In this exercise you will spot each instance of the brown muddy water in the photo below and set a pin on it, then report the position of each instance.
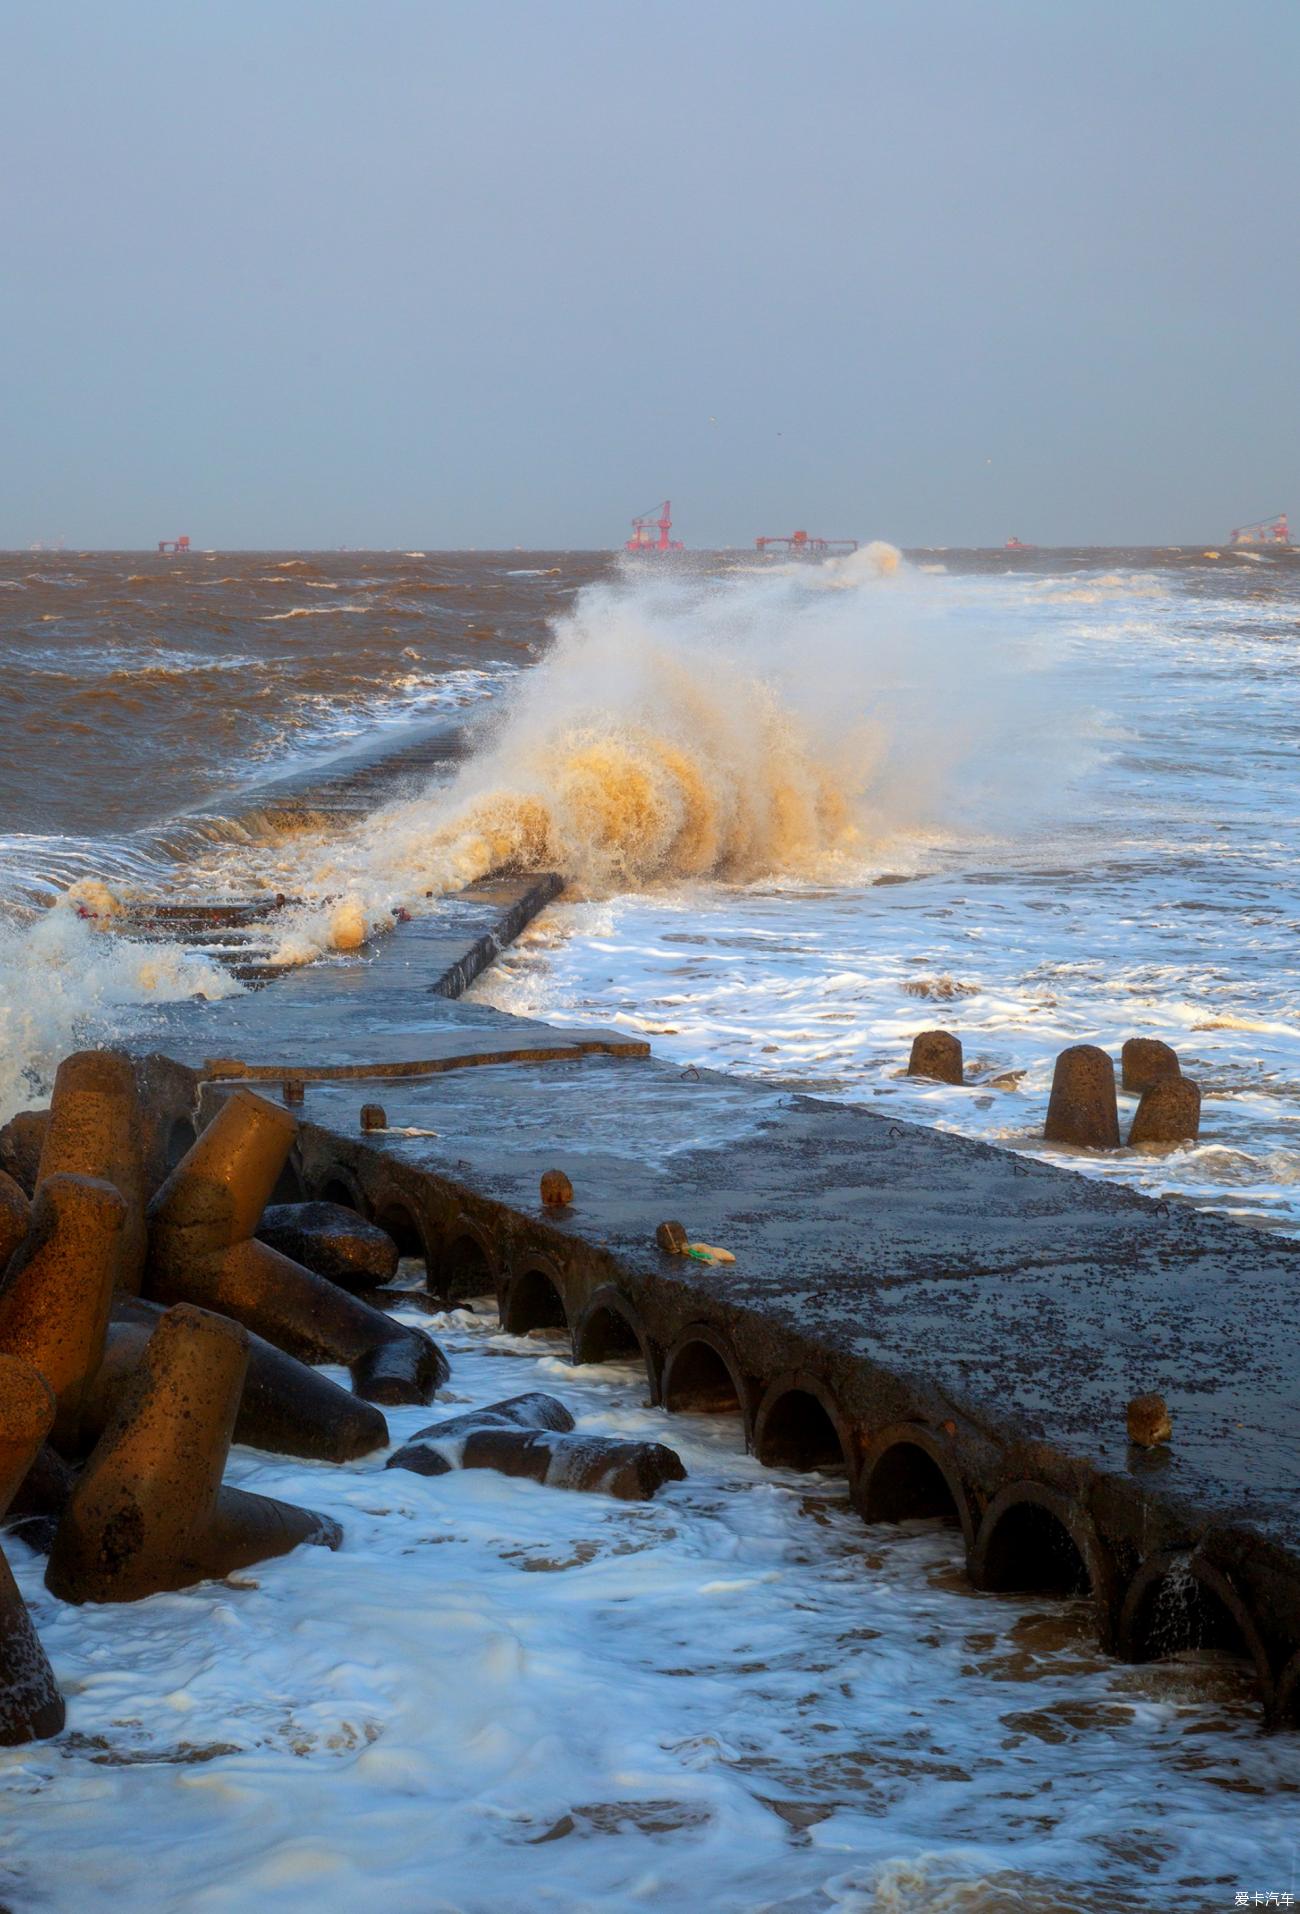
(137, 687)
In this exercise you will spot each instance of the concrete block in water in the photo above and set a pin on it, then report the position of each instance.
(201, 1251)
(31, 1707)
(286, 1407)
(95, 1128)
(15, 1217)
(332, 1240)
(59, 1289)
(1170, 1112)
(374, 1116)
(21, 1141)
(532, 1435)
(1148, 1421)
(1144, 1061)
(149, 1511)
(1083, 1109)
(936, 1054)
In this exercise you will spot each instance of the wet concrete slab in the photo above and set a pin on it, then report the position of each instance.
(1031, 1301)
(386, 1010)
(906, 1278)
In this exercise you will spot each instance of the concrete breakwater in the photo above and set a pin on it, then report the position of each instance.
(948, 1327)
(953, 1328)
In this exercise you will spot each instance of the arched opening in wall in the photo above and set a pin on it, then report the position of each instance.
(698, 1380)
(397, 1221)
(1179, 1607)
(906, 1484)
(607, 1335)
(180, 1140)
(796, 1431)
(1029, 1548)
(335, 1190)
(464, 1272)
(534, 1302)
(288, 1185)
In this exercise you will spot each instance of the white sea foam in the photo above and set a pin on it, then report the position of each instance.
(1157, 900)
(736, 1698)
(783, 721)
(65, 980)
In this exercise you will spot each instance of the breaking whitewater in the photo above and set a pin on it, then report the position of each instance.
(805, 812)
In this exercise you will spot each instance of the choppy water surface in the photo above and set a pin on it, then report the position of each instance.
(806, 812)
(736, 1698)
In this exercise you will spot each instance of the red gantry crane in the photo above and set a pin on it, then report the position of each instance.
(644, 528)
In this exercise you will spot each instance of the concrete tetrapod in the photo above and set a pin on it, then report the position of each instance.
(531, 1435)
(201, 1250)
(333, 1241)
(286, 1407)
(601, 1465)
(1170, 1112)
(59, 1289)
(15, 1217)
(1146, 1060)
(936, 1054)
(40, 1499)
(94, 1129)
(1083, 1109)
(21, 1142)
(149, 1511)
(31, 1707)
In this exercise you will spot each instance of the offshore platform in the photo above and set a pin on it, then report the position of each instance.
(659, 521)
(801, 545)
(1265, 531)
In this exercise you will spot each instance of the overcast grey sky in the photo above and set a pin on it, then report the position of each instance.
(384, 272)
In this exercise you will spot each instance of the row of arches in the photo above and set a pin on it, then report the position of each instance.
(1030, 1538)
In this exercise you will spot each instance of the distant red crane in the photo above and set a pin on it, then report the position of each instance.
(799, 545)
(181, 544)
(644, 528)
